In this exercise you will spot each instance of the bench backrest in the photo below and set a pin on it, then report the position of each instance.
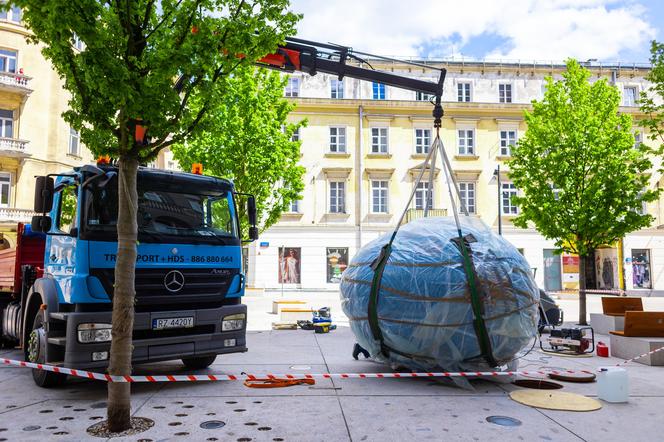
(650, 324)
(615, 306)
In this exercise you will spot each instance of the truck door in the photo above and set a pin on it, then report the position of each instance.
(61, 243)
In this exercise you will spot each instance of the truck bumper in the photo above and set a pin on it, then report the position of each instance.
(205, 338)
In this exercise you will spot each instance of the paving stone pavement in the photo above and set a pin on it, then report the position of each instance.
(331, 410)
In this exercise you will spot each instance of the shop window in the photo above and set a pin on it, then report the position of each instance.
(641, 269)
(337, 261)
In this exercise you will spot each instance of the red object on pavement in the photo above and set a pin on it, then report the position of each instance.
(602, 350)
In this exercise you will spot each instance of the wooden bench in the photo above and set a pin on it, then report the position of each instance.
(642, 324)
(296, 314)
(617, 306)
(643, 333)
(276, 304)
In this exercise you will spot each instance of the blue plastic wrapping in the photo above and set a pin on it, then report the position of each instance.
(424, 306)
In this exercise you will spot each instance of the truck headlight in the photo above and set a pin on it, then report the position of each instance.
(92, 332)
(233, 322)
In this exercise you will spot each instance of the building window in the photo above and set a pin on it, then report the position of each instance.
(467, 194)
(296, 135)
(78, 44)
(337, 261)
(641, 268)
(509, 191)
(421, 96)
(74, 141)
(378, 140)
(378, 90)
(8, 61)
(507, 140)
(171, 165)
(422, 140)
(629, 96)
(463, 92)
(638, 138)
(292, 87)
(337, 197)
(337, 139)
(294, 206)
(336, 88)
(379, 196)
(5, 188)
(13, 14)
(466, 141)
(6, 123)
(420, 195)
(505, 93)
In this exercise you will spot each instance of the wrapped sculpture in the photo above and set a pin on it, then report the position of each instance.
(423, 317)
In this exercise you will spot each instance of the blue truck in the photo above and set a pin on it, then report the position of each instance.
(58, 281)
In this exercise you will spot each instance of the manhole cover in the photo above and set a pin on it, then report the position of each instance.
(538, 384)
(31, 428)
(211, 425)
(504, 421)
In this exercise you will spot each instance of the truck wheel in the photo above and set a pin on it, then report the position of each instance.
(199, 363)
(36, 352)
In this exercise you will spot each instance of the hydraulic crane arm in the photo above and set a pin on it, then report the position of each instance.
(312, 57)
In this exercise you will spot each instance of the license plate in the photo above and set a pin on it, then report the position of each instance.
(162, 323)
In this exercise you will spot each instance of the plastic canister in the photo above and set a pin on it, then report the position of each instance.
(602, 350)
(612, 384)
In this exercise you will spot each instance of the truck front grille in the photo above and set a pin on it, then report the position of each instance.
(201, 286)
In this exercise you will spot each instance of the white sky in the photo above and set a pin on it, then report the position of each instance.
(507, 29)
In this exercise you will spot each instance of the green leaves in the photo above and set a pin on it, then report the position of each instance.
(583, 180)
(248, 140)
(134, 53)
(652, 101)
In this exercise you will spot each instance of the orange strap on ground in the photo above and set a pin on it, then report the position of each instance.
(277, 383)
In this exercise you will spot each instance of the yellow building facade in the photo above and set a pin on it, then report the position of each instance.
(35, 140)
(364, 144)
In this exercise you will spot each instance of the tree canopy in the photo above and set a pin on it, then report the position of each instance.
(250, 141)
(652, 100)
(583, 179)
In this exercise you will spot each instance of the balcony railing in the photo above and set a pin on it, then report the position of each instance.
(414, 214)
(13, 147)
(9, 214)
(16, 82)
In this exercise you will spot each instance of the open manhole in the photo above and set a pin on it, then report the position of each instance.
(31, 428)
(504, 421)
(211, 425)
(537, 384)
(96, 405)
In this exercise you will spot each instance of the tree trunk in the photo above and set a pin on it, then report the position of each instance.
(119, 400)
(582, 290)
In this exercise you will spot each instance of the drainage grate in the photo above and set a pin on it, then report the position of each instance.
(211, 425)
(504, 421)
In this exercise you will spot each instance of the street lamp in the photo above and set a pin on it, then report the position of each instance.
(496, 173)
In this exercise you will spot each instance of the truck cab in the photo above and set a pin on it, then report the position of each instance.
(189, 281)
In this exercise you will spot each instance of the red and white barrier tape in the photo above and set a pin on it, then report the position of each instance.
(640, 356)
(243, 377)
(251, 377)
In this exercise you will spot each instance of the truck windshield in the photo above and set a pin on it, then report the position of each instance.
(163, 215)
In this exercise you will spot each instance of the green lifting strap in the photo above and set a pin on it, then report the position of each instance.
(476, 303)
(378, 267)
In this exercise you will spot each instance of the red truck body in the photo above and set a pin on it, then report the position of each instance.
(29, 250)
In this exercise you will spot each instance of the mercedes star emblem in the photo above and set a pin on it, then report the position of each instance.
(174, 281)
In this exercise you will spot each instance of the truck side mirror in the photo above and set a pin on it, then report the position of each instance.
(253, 233)
(43, 194)
(40, 223)
(251, 210)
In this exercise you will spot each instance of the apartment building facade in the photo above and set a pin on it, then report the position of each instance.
(34, 138)
(365, 143)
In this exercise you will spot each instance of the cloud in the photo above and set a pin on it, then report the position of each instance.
(522, 29)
